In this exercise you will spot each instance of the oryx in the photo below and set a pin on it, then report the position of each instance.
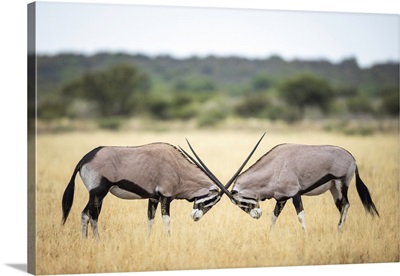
(159, 172)
(289, 171)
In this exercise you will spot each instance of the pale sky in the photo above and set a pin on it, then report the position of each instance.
(187, 31)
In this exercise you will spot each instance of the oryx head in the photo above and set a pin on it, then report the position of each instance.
(204, 204)
(248, 203)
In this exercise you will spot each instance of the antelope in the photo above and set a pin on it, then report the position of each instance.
(159, 172)
(289, 171)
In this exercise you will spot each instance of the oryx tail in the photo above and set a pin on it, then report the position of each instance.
(68, 196)
(365, 196)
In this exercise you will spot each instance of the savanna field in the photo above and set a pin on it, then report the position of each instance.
(225, 237)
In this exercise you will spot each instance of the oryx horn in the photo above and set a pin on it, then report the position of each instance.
(224, 189)
(207, 172)
(244, 164)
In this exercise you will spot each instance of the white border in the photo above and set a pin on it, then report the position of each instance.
(13, 205)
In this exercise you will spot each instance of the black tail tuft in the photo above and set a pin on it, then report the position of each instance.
(68, 197)
(365, 196)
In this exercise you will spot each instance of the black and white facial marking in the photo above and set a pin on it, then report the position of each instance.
(204, 203)
(249, 205)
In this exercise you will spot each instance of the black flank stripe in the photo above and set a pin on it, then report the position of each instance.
(134, 188)
(320, 182)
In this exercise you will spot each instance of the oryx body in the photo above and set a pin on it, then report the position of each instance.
(289, 171)
(158, 172)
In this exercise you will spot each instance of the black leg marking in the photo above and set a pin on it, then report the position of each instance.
(278, 209)
(165, 203)
(344, 206)
(93, 208)
(338, 204)
(344, 193)
(298, 204)
(151, 213)
(152, 208)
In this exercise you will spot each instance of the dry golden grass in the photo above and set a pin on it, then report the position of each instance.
(226, 237)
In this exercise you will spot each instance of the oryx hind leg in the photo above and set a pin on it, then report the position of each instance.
(165, 203)
(298, 204)
(278, 209)
(339, 194)
(151, 213)
(92, 211)
(84, 224)
(91, 214)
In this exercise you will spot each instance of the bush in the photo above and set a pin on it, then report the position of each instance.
(253, 106)
(111, 123)
(390, 101)
(157, 106)
(183, 106)
(261, 82)
(115, 91)
(307, 90)
(360, 105)
(286, 113)
(212, 113)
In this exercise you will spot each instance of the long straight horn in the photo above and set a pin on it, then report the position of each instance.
(244, 164)
(224, 189)
(207, 172)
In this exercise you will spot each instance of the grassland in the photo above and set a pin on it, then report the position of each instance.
(226, 237)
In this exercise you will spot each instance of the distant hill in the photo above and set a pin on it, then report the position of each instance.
(226, 73)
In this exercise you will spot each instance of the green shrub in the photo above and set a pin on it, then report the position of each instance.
(360, 104)
(252, 106)
(212, 113)
(183, 106)
(110, 123)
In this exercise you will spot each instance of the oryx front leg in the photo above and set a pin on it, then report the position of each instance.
(151, 213)
(298, 204)
(278, 209)
(165, 203)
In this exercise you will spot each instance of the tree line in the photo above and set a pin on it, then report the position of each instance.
(123, 89)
